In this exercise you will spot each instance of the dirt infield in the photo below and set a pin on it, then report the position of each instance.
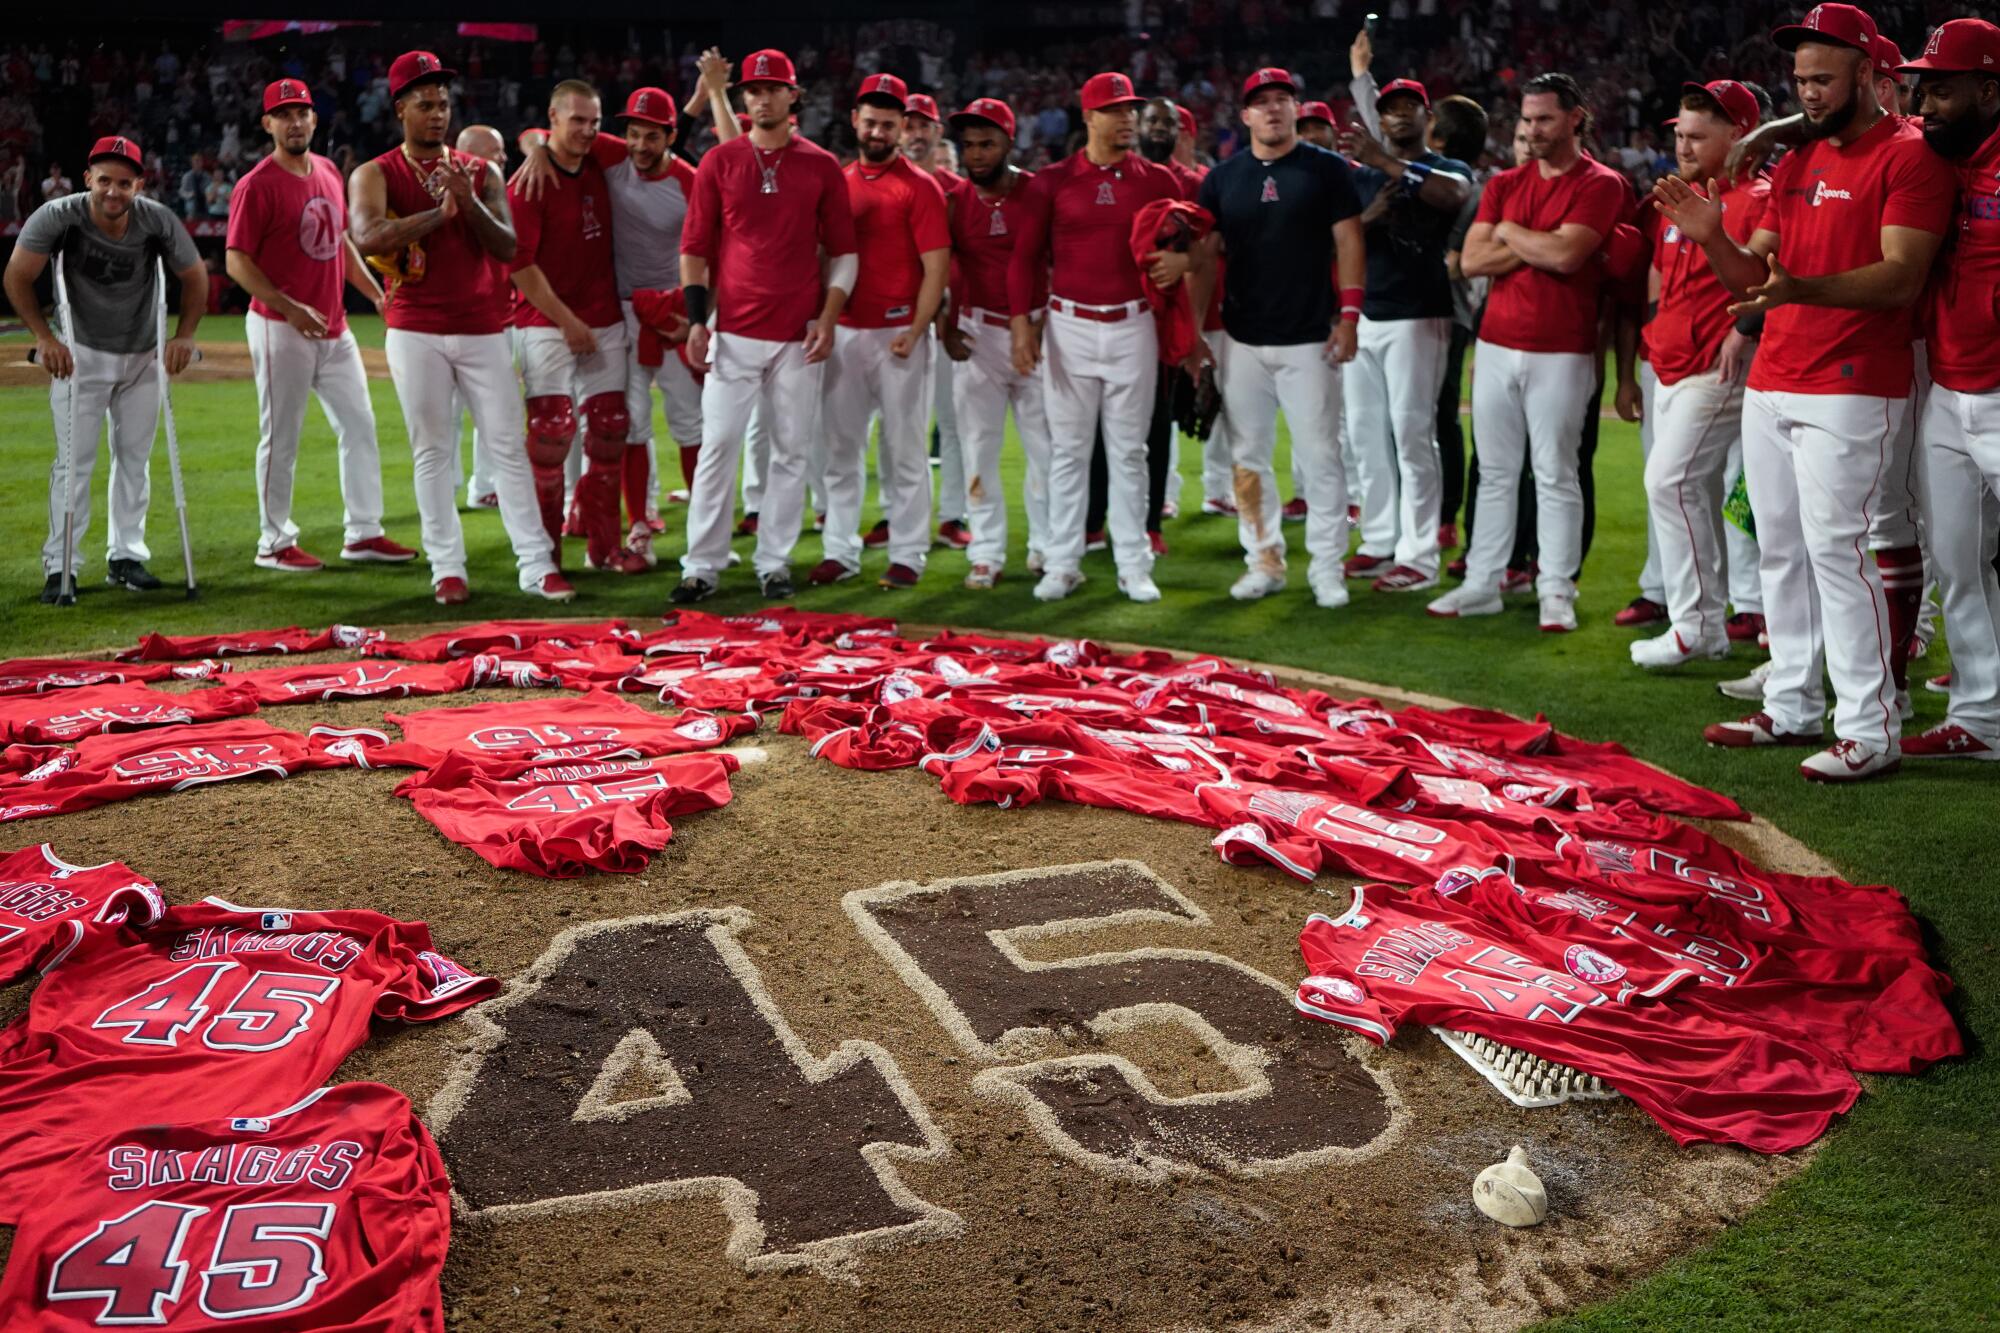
(219, 361)
(850, 1056)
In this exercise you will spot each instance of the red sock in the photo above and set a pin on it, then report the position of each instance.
(638, 480)
(1902, 570)
(690, 457)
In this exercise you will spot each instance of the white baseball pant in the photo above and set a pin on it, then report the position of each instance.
(741, 370)
(1529, 405)
(1258, 380)
(983, 388)
(1391, 389)
(120, 389)
(951, 443)
(1095, 372)
(1961, 435)
(1695, 422)
(1652, 584)
(757, 460)
(864, 375)
(288, 368)
(1899, 516)
(432, 372)
(1816, 464)
(480, 480)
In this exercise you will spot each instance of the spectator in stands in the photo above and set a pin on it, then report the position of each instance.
(55, 185)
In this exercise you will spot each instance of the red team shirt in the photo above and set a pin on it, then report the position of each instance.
(38, 675)
(1962, 317)
(899, 216)
(464, 289)
(1685, 336)
(497, 636)
(1829, 203)
(334, 1213)
(764, 248)
(291, 639)
(329, 681)
(295, 229)
(982, 245)
(594, 726)
(1531, 309)
(566, 232)
(46, 905)
(69, 715)
(1075, 239)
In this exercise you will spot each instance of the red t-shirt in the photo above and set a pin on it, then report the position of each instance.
(331, 1213)
(57, 719)
(463, 290)
(497, 636)
(1076, 231)
(1829, 203)
(566, 232)
(295, 229)
(291, 639)
(898, 217)
(1531, 309)
(983, 232)
(38, 675)
(597, 725)
(764, 246)
(327, 681)
(1685, 335)
(1962, 317)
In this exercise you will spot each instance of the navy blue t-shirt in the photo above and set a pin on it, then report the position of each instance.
(1406, 245)
(1276, 221)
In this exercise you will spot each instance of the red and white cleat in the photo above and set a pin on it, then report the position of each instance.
(1850, 761)
(1948, 740)
(555, 588)
(291, 560)
(451, 592)
(1755, 730)
(378, 549)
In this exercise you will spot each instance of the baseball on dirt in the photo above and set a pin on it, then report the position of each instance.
(1511, 1194)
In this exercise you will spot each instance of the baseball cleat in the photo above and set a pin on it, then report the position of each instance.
(1447, 536)
(451, 592)
(639, 541)
(899, 576)
(1673, 649)
(1254, 584)
(1158, 542)
(747, 525)
(1744, 626)
(490, 500)
(1360, 565)
(379, 550)
(1640, 611)
(1939, 684)
(1170, 509)
(1948, 740)
(953, 532)
(1558, 612)
(292, 560)
(878, 536)
(1294, 510)
(1055, 586)
(130, 575)
(52, 592)
(1517, 581)
(1139, 588)
(775, 586)
(981, 577)
(1748, 688)
(1095, 541)
(691, 590)
(1456, 569)
(554, 588)
(828, 572)
(1756, 729)
(1466, 600)
(1851, 761)
(1037, 562)
(1329, 590)
(1405, 578)
(1218, 508)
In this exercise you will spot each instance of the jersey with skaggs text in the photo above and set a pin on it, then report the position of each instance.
(46, 905)
(332, 1214)
(291, 639)
(69, 715)
(38, 675)
(597, 725)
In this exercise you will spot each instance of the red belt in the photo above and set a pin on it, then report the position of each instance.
(1101, 314)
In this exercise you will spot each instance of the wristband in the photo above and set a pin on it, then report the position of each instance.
(697, 303)
(1414, 176)
(1350, 303)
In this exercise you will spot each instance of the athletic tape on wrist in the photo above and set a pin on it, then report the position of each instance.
(1350, 303)
(696, 296)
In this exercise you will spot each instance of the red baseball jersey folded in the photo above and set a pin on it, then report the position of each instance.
(46, 905)
(598, 725)
(36, 675)
(56, 719)
(291, 639)
(497, 636)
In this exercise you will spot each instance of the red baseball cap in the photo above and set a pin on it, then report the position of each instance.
(1737, 102)
(1395, 86)
(655, 106)
(1843, 25)
(1959, 46)
(118, 146)
(411, 68)
(1886, 55)
(923, 104)
(1270, 78)
(768, 66)
(884, 88)
(1108, 90)
(1186, 118)
(990, 110)
(1315, 111)
(286, 92)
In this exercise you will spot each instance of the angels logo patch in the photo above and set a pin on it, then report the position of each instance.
(1336, 988)
(703, 729)
(1587, 964)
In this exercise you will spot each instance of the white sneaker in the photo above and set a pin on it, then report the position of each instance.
(1255, 583)
(1139, 588)
(981, 577)
(1851, 761)
(1056, 586)
(1467, 600)
(1330, 592)
(1672, 650)
(1749, 688)
(1558, 612)
(1037, 562)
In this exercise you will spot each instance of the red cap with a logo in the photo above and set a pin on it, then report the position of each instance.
(286, 92)
(990, 110)
(1186, 117)
(118, 146)
(1315, 111)
(767, 67)
(655, 106)
(883, 88)
(1737, 102)
(1959, 46)
(1886, 55)
(1270, 78)
(411, 68)
(923, 104)
(1409, 87)
(1103, 91)
(1843, 25)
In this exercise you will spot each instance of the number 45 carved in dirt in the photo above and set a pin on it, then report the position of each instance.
(645, 1058)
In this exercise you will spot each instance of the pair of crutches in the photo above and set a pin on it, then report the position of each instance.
(66, 431)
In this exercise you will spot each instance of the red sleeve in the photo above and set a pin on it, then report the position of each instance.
(704, 211)
(930, 227)
(1493, 199)
(1601, 205)
(527, 229)
(429, 985)
(836, 213)
(609, 150)
(1922, 192)
(1027, 271)
(246, 217)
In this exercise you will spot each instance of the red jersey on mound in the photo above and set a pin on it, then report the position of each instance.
(597, 725)
(334, 1213)
(46, 904)
(291, 639)
(497, 636)
(55, 719)
(358, 680)
(37, 675)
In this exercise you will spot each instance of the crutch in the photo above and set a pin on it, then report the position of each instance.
(66, 441)
(167, 407)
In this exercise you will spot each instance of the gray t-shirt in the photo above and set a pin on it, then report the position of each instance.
(110, 281)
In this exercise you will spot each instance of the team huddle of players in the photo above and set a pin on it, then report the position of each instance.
(785, 304)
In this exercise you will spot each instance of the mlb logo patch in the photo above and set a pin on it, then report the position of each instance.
(276, 920)
(250, 1124)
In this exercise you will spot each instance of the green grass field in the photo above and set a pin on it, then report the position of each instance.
(1894, 1223)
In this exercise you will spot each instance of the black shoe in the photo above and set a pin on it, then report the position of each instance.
(52, 592)
(130, 574)
(691, 590)
(776, 587)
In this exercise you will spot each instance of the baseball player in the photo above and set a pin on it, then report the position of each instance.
(1217, 484)
(107, 237)
(1844, 249)
(482, 141)
(1286, 220)
(289, 248)
(1958, 92)
(1098, 349)
(1696, 412)
(765, 205)
(924, 144)
(1413, 195)
(882, 349)
(1316, 125)
(443, 217)
(1538, 233)
(985, 212)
